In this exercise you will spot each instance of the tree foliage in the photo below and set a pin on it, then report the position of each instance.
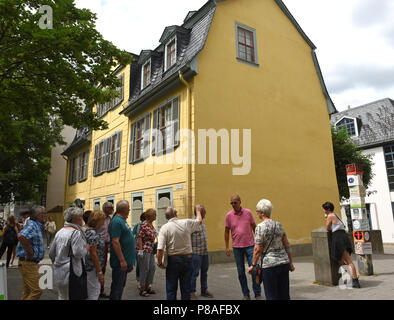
(346, 152)
(48, 78)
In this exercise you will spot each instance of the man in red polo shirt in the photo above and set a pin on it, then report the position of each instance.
(242, 225)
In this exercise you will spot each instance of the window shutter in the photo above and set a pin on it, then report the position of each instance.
(95, 160)
(155, 127)
(80, 167)
(107, 148)
(70, 170)
(122, 86)
(175, 121)
(132, 138)
(85, 176)
(118, 144)
(146, 137)
(169, 132)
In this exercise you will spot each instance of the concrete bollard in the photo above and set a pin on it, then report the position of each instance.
(326, 269)
(3, 281)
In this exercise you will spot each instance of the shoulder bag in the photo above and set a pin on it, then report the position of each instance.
(77, 286)
(259, 268)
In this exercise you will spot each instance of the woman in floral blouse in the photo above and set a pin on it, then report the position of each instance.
(271, 239)
(146, 258)
(96, 255)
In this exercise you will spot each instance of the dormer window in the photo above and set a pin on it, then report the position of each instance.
(350, 125)
(146, 74)
(170, 57)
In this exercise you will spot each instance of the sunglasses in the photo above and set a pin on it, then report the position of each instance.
(233, 203)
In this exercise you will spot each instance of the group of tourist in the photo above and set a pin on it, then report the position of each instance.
(79, 251)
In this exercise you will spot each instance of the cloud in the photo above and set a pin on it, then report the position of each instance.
(350, 76)
(369, 13)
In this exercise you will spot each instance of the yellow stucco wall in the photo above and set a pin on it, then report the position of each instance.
(141, 177)
(282, 102)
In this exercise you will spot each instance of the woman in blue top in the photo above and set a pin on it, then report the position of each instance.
(341, 248)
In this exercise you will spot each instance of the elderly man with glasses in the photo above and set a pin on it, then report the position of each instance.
(241, 223)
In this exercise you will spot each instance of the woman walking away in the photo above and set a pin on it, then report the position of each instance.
(271, 242)
(70, 238)
(10, 239)
(341, 248)
(146, 258)
(50, 228)
(96, 255)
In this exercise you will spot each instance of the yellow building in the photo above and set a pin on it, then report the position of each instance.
(239, 70)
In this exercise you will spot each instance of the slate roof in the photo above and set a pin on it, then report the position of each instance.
(191, 38)
(375, 121)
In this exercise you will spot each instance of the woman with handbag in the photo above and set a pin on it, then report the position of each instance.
(272, 245)
(341, 248)
(145, 257)
(10, 239)
(67, 253)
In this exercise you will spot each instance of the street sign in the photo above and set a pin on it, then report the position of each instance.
(357, 202)
(354, 180)
(363, 248)
(357, 191)
(361, 236)
(360, 225)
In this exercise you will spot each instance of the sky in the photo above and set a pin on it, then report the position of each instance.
(354, 38)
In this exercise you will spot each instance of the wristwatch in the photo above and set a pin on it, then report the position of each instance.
(100, 272)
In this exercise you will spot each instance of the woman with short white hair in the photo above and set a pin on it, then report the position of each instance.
(71, 236)
(272, 244)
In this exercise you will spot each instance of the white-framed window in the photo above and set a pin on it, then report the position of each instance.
(350, 125)
(170, 54)
(165, 127)
(137, 207)
(102, 109)
(146, 74)
(97, 204)
(107, 154)
(246, 43)
(83, 165)
(140, 139)
(163, 200)
(72, 173)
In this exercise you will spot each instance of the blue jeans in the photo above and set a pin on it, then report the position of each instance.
(118, 283)
(276, 282)
(179, 268)
(239, 255)
(200, 263)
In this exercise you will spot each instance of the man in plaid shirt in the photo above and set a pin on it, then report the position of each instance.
(31, 251)
(200, 260)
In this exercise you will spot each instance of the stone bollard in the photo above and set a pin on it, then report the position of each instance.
(326, 269)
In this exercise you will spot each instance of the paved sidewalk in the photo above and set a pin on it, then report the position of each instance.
(223, 283)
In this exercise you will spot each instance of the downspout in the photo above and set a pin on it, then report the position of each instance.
(65, 183)
(189, 211)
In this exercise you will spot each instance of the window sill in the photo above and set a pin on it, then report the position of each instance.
(253, 64)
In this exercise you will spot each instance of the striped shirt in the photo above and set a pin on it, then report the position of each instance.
(32, 232)
(200, 241)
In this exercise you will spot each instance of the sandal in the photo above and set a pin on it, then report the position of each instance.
(144, 293)
(150, 291)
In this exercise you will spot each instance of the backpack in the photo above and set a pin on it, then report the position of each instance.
(10, 236)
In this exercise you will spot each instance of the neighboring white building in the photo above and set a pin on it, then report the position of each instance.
(372, 128)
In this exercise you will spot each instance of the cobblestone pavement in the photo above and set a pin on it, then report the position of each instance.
(223, 283)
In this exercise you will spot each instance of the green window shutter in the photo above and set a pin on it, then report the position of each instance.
(122, 87)
(118, 145)
(80, 167)
(70, 170)
(175, 121)
(95, 160)
(132, 142)
(85, 176)
(155, 129)
(146, 137)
